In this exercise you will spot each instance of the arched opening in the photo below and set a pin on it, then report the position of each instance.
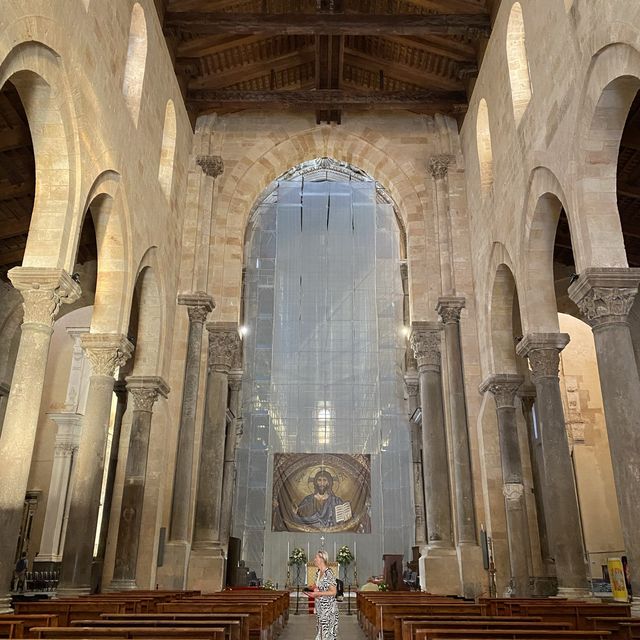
(168, 150)
(517, 62)
(136, 62)
(324, 352)
(485, 153)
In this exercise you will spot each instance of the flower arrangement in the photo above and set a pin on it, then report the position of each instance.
(298, 557)
(268, 584)
(344, 556)
(383, 586)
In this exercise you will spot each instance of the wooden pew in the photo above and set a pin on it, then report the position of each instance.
(399, 632)
(72, 609)
(409, 627)
(23, 623)
(513, 634)
(233, 626)
(60, 633)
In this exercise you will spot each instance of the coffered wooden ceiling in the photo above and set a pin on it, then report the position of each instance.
(326, 56)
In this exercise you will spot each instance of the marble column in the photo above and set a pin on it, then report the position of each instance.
(199, 305)
(503, 387)
(144, 391)
(234, 431)
(449, 309)
(412, 383)
(560, 498)
(106, 352)
(43, 290)
(64, 453)
(207, 562)
(120, 389)
(438, 566)
(605, 297)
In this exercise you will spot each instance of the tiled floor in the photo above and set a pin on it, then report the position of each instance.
(303, 627)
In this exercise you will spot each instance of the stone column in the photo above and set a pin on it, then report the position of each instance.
(439, 169)
(439, 571)
(43, 290)
(144, 390)
(412, 383)
(605, 297)
(234, 431)
(503, 387)
(449, 309)
(560, 498)
(106, 352)
(65, 450)
(207, 562)
(199, 305)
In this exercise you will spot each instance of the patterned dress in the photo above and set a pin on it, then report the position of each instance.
(326, 608)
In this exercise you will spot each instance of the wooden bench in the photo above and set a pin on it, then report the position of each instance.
(22, 623)
(72, 609)
(233, 626)
(195, 633)
(511, 634)
(409, 627)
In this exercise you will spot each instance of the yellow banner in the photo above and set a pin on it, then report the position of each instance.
(618, 583)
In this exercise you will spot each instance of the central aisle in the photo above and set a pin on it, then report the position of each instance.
(303, 627)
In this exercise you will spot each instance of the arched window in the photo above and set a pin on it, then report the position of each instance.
(517, 61)
(168, 150)
(485, 154)
(136, 59)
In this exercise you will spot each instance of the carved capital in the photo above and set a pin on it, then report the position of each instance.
(43, 291)
(503, 386)
(543, 351)
(145, 391)
(412, 382)
(199, 305)
(106, 352)
(605, 296)
(212, 166)
(425, 341)
(513, 492)
(449, 308)
(224, 343)
(235, 380)
(439, 165)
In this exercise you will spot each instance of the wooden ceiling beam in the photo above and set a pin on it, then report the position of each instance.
(439, 46)
(628, 190)
(429, 101)
(204, 22)
(14, 228)
(11, 257)
(9, 191)
(452, 6)
(14, 138)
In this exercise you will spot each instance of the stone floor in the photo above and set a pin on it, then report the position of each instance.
(303, 627)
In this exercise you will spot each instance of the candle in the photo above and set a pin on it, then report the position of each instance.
(355, 549)
(308, 551)
(335, 555)
(288, 551)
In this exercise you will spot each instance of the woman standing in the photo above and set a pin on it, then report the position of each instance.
(325, 594)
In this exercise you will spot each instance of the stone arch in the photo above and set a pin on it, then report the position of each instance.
(244, 183)
(612, 81)
(485, 152)
(136, 62)
(106, 206)
(149, 317)
(167, 150)
(35, 70)
(543, 205)
(517, 62)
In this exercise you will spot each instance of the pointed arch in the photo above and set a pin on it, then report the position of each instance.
(136, 62)
(519, 77)
(485, 152)
(168, 150)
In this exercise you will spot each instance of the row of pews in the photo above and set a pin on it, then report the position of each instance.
(152, 615)
(420, 616)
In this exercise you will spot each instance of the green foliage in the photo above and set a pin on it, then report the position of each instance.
(298, 557)
(345, 556)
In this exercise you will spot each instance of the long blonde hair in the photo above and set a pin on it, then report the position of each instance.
(324, 555)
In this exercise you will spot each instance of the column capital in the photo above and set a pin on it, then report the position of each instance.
(425, 341)
(449, 308)
(43, 291)
(212, 166)
(224, 342)
(199, 305)
(145, 391)
(412, 382)
(235, 379)
(503, 386)
(106, 352)
(543, 352)
(439, 165)
(513, 491)
(605, 295)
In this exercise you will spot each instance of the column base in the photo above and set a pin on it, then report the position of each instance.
(472, 573)
(206, 569)
(122, 585)
(72, 592)
(5, 604)
(573, 593)
(440, 571)
(172, 575)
